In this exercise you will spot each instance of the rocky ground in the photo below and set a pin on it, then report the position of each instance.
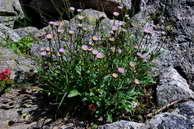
(172, 29)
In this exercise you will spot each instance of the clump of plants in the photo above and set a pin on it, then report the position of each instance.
(22, 46)
(103, 76)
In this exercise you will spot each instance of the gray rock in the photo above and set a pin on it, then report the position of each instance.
(28, 31)
(10, 10)
(173, 29)
(8, 59)
(9, 115)
(12, 110)
(124, 125)
(22, 126)
(8, 34)
(172, 87)
(43, 44)
(133, 6)
(186, 109)
(169, 121)
(91, 16)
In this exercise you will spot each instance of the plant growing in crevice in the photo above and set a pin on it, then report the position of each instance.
(105, 76)
(22, 46)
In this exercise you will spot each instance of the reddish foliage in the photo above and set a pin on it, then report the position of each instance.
(92, 107)
(4, 75)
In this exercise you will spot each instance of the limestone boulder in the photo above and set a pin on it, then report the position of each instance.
(170, 121)
(10, 10)
(124, 125)
(172, 87)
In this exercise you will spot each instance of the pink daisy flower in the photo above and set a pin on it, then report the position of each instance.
(121, 70)
(100, 55)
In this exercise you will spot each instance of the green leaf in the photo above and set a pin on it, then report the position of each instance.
(107, 77)
(109, 118)
(78, 70)
(73, 93)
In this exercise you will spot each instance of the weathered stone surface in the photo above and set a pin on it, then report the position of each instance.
(28, 31)
(186, 109)
(172, 87)
(173, 29)
(10, 10)
(90, 18)
(26, 108)
(124, 125)
(170, 121)
(8, 34)
(16, 108)
(8, 59)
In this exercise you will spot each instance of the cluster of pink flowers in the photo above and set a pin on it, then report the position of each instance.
(72, 9)
(144, 56)
(98, 54)
(45, 51)
(5, 74)
(120, 70)
(61, 50)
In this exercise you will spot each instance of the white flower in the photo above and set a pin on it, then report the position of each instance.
(136, 81)
(132, 64)
(120, 7)
(55, 23)
(121, 70)
(115, 13)
(71, 32)
(95, 38)
(85, 47)
(112, 39)
(91, 43)
(123, 30)
(126, 15)
(115, 75)
(72, 8)
(43, 53)
(61, 27)
(80, 25)
(100, 55)
(60, 30)
(47, 49)
(143, 56)
(121, 23)
(134, 104)
(113, 49)
(42, 49)
(49, 36)
(90, 49)
(148, 31)
(80, 17)
(115, 28)
(84, 28)
(119, 50)
(61, 50)
(94, 51)
(79, 10)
